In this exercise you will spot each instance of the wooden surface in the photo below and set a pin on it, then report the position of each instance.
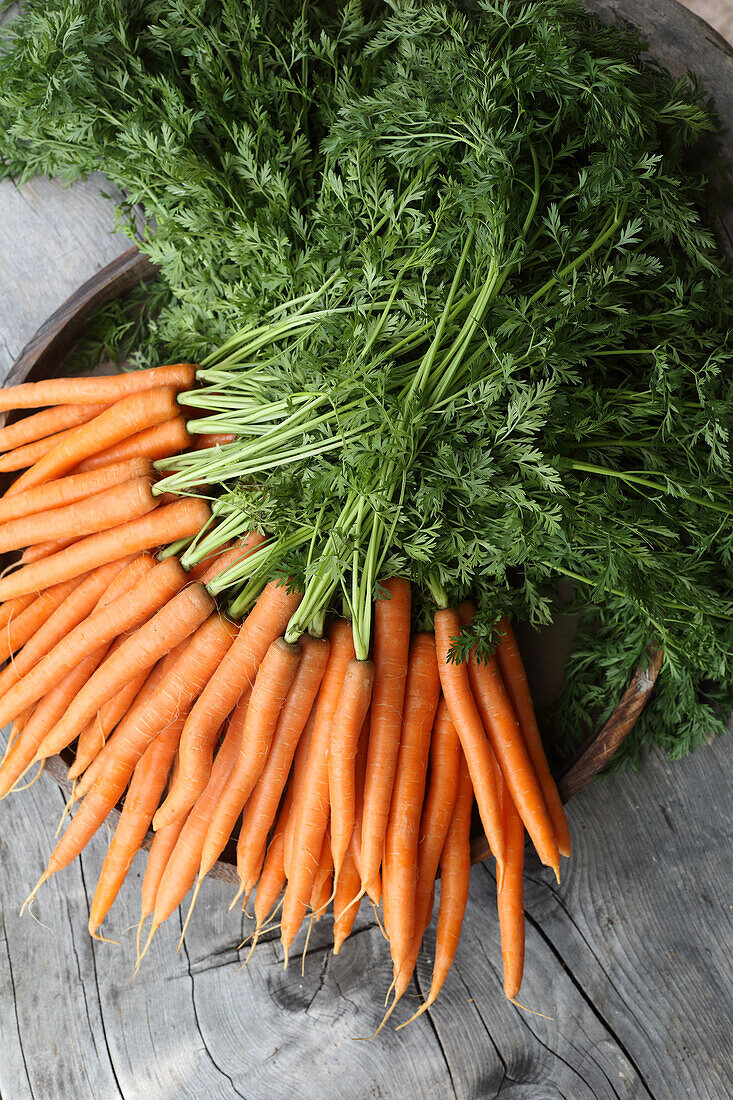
(630, 957)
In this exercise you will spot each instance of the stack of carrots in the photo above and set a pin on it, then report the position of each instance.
(339, 778)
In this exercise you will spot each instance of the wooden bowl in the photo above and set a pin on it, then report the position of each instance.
(679, 40)
(43, 357)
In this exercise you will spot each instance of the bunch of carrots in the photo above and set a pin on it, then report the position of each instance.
(338, 777)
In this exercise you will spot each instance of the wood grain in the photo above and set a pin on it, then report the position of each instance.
(630, 956)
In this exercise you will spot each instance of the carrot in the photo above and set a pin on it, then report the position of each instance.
(273, 682)
(161, 441)
(260, 811)
(300, 762)
(20, 629)
(391, 648)
(166, 694)
(474, 742)
(22, 458)
(455, 870)
(79, 603)
(345, 904)
(159, 854)
(188, 784)
(445, 761)
(69, 490)
(360, 767)
(152, 679)
(100, 628)
(272, 879)
(199, 571)
(312, 807)
(98, 390)
(50, 709)
(237, 670)
(422, 692)
(178, 619)
(125, 418)
(146, 787)
(203, 442)
(353, 704)
(321, 892)
(44, 550)
(42, 424)
(500, 723)
(515, 682)
(510, 897)
(185, 859)
(229, 558)
(97, 513)
(165, 524)
(12, 608)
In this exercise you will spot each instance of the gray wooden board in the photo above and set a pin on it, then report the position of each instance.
(629, 960)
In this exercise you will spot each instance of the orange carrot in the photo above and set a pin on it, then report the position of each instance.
(12, 608)
(97, 513)
(182, 675)
(152, 679)
(188, 785)
(98, 390)
(300, 762)
(69, 490)
(500, 723)
(146, 787)
(321, 892)
(510, 897)
(80, 603)
(345, 904)
(261, 808)
(44, 550)
(162, 441)
(50, 709)
(353, 704)
(230, 557)
(203, 442)
(272, 879)
(185, 859)
(163, 525)
(125, 418)
(104, 624)
(42, 424)
(274, 679)
(312, 807)
(474, 742)
(93, 737)
(175, 621)
(160, 851)
(422, 693)
(237, 671)
(391, 647)
(455, 870)
(445, 761)
(360, 768)
(515, 682)
(22, 458)
(22, 627)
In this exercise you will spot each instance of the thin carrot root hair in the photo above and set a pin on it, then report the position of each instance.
(190, 912)
(388, 1013)
(526, 1008)
(153, 929)
(423, 1008)
(97, 935)
(26, 786)
(305, 945)
(67, 809)
(138, 937)
(44, 877)
(236, 897)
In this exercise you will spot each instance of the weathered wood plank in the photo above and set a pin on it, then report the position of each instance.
(630, 957)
